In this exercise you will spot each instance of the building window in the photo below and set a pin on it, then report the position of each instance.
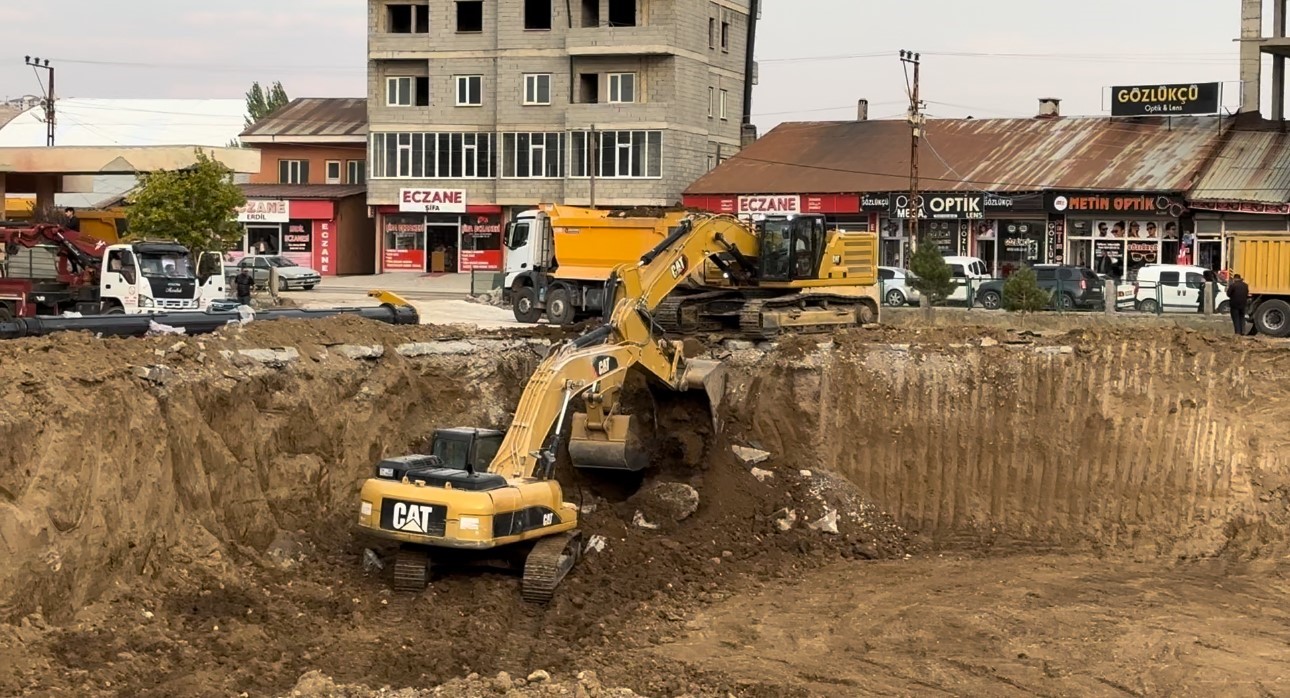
(470, 16)
(432, 156)
(712, 91)
(622, 88)
(354, 173)
(712, 161)
(407, 91)
(723, 104)
(622, 13)
(293, 172)
(537, 14)
(712, 32)
(407, 19)
(590, 13)
(537, 88)
(533, 155)
(725, 36)
(470, 90)
(333, 172)
(589, 88)
(616, 154)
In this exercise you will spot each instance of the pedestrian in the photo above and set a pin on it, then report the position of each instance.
(1238, 295)
(243, 284)
(1209, 284)
(69, 220)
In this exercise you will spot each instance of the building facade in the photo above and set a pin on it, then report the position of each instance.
(479, 109)
(308, 201)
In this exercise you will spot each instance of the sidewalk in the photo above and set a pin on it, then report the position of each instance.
(437, 285)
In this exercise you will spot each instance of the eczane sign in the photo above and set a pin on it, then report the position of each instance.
(432, 200)
(264, 211)
(769, 204)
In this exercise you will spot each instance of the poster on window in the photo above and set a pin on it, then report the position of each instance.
(481, 243)
(1135, 230)
(404, 260)
(297, 242)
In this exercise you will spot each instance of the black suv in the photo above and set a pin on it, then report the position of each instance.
(1072, 287)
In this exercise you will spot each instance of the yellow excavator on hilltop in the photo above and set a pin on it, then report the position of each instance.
(483, 491)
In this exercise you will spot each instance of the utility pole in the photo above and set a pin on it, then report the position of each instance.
(35, 62)
(916, 121)
(593, 148)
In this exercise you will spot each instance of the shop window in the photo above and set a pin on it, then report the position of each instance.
(622, 88)
(470, 90)
(354, 172)
(537, 14)
(407, 18)
(333, 172)
(622, 13)
(589, 88)
(590, 13)
(293, 172)
(537, 89)
(725, 37)
(470, 16)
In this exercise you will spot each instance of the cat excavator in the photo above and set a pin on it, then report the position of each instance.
(487, 493)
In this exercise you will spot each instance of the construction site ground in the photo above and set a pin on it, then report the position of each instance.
(1012, 506)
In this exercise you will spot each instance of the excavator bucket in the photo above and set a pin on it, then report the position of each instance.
(616, 445)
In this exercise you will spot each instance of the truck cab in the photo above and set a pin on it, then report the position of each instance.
(158, 277)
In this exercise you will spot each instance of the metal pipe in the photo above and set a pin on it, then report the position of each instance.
(190, 322)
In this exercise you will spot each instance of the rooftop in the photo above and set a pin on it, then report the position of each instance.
(312, 120)
(1003, 155)
(1251, 166)
(130, 122)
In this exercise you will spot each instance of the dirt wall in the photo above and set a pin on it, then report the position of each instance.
(1160, 442)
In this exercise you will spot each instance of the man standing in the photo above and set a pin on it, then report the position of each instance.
(1238, 296)
(243, 284)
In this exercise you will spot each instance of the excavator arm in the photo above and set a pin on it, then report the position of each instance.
(594, 366)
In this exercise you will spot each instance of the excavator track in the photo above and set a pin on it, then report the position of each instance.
(670, 313)
(411, 570)
(547, 565)
(750, 317)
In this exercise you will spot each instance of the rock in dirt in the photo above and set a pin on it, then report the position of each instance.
(785, 518)
(761, 475)
(360, 351)
(750, 456)
(674, 501)
(827, 523)
(638, 520)
(539, 676)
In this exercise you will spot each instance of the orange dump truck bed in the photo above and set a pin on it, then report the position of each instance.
(1263, 261)
(589, 243)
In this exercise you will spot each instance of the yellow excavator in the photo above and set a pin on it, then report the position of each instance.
(481, 493)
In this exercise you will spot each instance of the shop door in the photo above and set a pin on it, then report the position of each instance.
(441, 244)
(1209, 254)
(264, 239)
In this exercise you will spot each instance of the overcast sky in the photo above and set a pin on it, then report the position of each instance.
(805, 47)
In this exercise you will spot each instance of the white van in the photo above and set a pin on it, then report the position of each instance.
(967, 273)
(1173, 287)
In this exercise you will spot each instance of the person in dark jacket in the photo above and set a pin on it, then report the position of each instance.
(243, 284)
(1238, 297)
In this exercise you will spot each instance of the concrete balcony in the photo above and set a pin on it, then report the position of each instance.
(621, 41)
(391, 45)
(580, 116)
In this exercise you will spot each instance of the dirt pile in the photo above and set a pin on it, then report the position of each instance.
(538, 684)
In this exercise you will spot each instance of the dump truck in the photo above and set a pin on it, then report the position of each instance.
(1263, 260)
(560, 260)
(491, 497)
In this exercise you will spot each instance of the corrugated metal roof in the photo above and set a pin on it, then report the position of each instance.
(968, 154)
(313, 117)
(302, 191)
(131, 122)
(1251, 166)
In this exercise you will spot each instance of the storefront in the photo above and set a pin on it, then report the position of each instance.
(304, 231)
(1216, 221)
(842, 211)
(437, 231)
(1117, 233)
(1006, 232)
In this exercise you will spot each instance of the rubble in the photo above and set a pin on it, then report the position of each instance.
(675, 501)
(750, 456)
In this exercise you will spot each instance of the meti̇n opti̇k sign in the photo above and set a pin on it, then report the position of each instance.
(1166, 100)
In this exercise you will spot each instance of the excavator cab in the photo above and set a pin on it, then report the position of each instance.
(464, 448)
(790, 247)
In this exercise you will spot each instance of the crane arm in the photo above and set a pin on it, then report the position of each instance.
(594, 366)
(81, 252)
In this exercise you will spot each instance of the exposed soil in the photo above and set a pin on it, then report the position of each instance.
(177, 520)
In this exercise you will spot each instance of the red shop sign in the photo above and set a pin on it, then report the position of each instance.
(480, 260)
(405, 260)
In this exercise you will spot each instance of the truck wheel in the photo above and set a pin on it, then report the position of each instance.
(524, 305)
(114, 310)
(1148, 306)
(559, 306)
(1273, 318)
(6, 313)
(1223, 308)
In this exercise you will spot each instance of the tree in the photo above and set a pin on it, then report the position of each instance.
(260, 103)
(933, 276)
(196, 206)
(1022, 293)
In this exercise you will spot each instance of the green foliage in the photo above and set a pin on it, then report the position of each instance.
(260, 103)
(1022, 293)
(196, 207)
(933, 275)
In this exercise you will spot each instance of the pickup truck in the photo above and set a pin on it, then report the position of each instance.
(290, 275)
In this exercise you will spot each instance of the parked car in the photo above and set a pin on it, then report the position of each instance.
(967, 273)
(1072, 287)
(896, 288)
(290, 274)
(1171, 287)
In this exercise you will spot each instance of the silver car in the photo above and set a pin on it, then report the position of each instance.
(896, 289)
(290, 274)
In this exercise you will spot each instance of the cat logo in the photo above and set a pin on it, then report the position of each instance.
(678, 268)
(547, 519)
(413, 518)
(837, 259)
(604, 364)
